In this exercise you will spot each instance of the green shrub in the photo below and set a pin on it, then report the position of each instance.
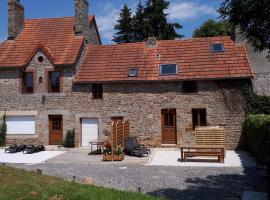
(3, 132)
(255, 128)
(69, 141)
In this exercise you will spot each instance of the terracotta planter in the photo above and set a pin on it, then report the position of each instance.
(113, 157)
(107, 157)
(118, 157)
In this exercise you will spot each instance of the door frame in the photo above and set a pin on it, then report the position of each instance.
(49, 126)
(98, 128)
(163, 111)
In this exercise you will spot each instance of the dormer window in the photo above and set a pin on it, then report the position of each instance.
(217, 47)
(168, 69)
(133, 72)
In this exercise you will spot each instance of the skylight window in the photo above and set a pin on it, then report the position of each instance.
(217, 47)
(168, 69)
(133, 72)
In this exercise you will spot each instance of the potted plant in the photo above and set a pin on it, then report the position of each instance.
(107, 152)
(118, 153)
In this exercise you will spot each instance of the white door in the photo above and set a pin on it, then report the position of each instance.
(20, 125)
(89, 131)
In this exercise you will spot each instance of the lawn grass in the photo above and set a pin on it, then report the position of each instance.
(16, 184)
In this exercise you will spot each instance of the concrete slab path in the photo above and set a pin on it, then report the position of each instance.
(28, 158)
(167, 157)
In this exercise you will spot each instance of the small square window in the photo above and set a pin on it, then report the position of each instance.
(217, 47)
(189, 87)
(168, 69)
(97, 91)
(133, 72)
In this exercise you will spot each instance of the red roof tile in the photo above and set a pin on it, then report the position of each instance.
(54, 35)
(193, 56)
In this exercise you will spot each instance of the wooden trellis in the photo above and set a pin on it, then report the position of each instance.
(120, 132)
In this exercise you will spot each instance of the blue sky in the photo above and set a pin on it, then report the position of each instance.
(189, 13)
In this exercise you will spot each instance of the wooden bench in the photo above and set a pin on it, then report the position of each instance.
(210, 142)
(203, 151)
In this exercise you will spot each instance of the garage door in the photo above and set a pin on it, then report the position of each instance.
(20, 125)
(89, 131)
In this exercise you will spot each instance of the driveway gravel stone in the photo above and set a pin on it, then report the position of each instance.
(183, 183)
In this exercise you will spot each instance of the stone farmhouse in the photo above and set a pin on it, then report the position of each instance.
(55, 75)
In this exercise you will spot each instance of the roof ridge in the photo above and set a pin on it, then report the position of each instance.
(46, 18)
(176, 40)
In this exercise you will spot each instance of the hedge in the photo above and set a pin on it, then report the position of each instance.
(255, 129)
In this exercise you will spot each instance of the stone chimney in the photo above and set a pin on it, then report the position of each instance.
(15, 18)
(151, 42)
(237, 36)
(81, 17)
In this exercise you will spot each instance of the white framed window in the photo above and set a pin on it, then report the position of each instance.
(21, 125)
(217, 47)
(168, 69)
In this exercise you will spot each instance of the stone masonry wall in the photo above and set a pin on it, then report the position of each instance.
(140, 103)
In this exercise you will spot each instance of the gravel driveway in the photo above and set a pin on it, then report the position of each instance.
(185, 183)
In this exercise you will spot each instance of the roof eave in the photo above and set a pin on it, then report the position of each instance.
(168, 80)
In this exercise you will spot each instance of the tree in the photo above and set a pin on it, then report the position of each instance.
(124, 27)
(157, 20)
(212, 28)
(139, 24)
(252, 18)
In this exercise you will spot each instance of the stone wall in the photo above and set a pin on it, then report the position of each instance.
(260, 65)
(140, 103)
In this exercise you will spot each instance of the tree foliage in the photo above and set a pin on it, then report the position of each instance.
(150, 19)
(253, 19)
(211, 28)
(124, 26)
(139, 24)
(157, 20)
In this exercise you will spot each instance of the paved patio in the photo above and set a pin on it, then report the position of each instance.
(28, 158)
(80, 156)
(171, 157)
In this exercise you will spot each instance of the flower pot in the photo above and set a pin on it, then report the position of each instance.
(107, 157)
(118, 157)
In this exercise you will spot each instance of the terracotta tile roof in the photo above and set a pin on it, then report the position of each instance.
(193, 56)
(54, 35)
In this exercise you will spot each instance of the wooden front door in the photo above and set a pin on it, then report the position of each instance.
(55, 129)
(168, 124)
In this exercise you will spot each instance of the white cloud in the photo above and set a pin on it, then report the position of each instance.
(189, 10)
(106, 24)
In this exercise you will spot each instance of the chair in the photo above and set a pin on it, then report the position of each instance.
(132, 148)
